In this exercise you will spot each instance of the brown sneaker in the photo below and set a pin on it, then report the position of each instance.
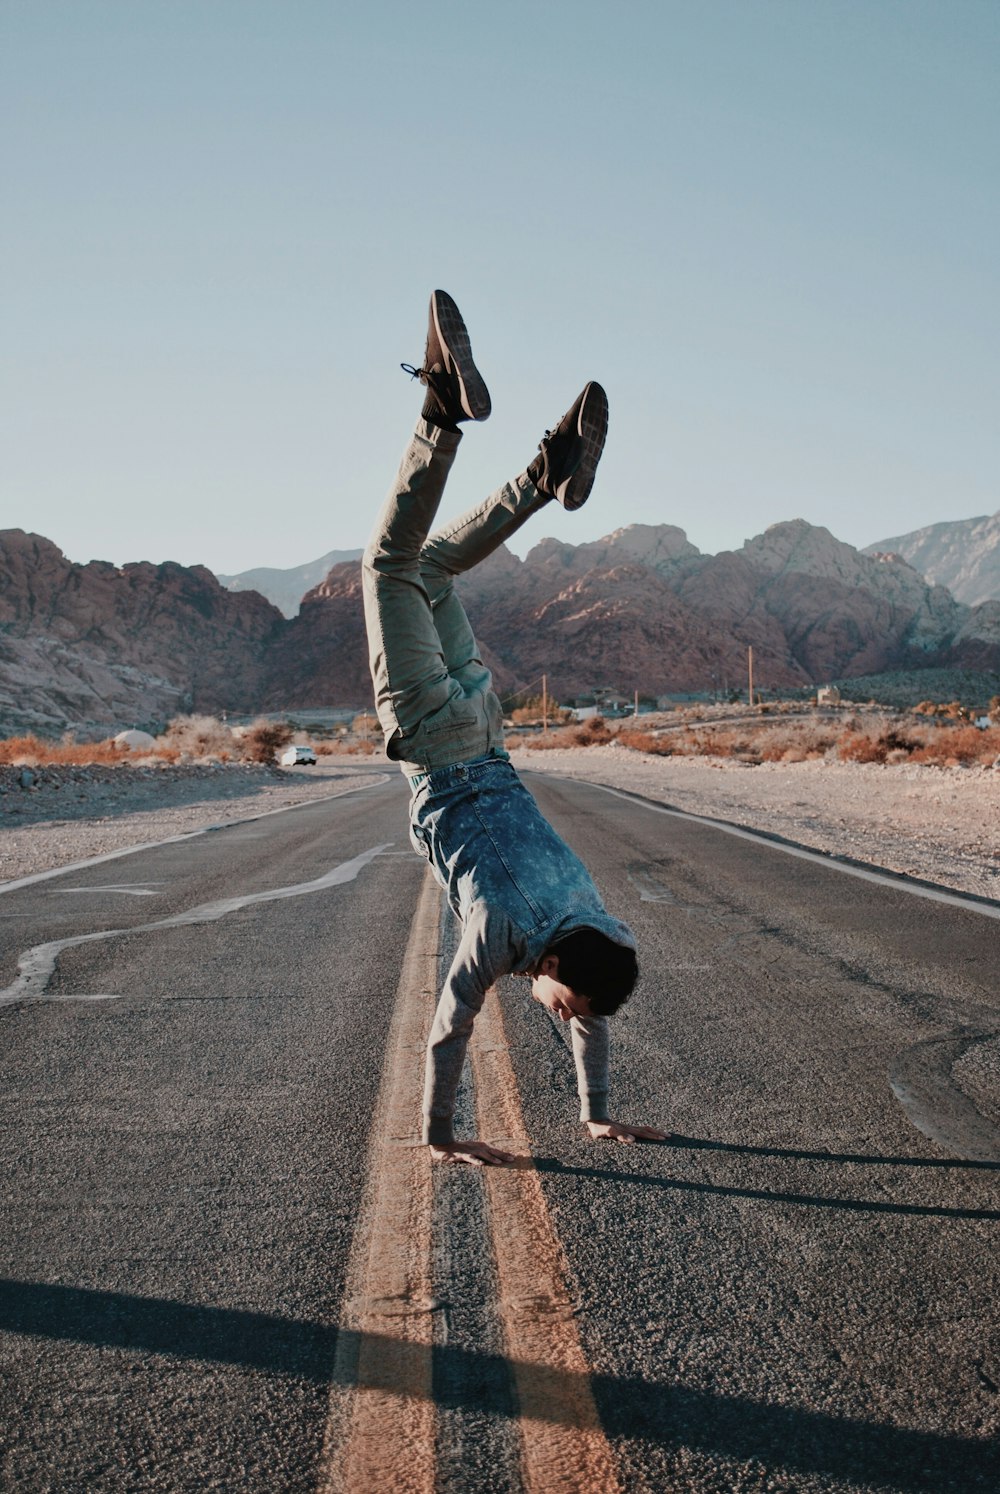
(455, 387)
(568, 455)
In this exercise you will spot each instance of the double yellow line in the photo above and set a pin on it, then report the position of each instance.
(381, 1426)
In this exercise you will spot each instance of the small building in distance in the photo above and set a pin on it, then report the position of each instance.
(828, 695)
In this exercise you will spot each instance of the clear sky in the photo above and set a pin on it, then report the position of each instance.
(771, 228)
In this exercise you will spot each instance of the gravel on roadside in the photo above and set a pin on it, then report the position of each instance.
(56, 816)
(939, 824)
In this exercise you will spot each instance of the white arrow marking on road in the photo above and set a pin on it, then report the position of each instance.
(35, 967)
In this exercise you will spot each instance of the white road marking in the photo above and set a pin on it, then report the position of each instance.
(130, 891)
(151, 845)
(968, 901)
(36, 965)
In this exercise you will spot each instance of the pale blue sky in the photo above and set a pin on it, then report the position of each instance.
(770, 227)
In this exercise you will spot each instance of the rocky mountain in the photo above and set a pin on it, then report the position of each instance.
(285, 589)
(645, 610)
(97, 645)
(962, 554)
(642, 609)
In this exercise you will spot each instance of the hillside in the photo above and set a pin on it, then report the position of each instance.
(962, 554)
(90, 646)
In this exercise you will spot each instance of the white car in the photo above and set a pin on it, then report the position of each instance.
(292, 756)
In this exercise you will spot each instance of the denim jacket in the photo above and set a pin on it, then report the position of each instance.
(516, 888)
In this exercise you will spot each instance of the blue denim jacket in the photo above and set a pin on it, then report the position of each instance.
(516, 888)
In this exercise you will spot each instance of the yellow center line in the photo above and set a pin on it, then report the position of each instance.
(381, 1424)
(562, 1442)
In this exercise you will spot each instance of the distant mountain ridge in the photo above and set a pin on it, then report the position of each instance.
(962, 554)
(97, 646)
(286, 588)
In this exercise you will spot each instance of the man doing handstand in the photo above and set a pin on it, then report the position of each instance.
(526, 904)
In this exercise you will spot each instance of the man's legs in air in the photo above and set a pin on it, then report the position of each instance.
(424, 658)
(408, 669)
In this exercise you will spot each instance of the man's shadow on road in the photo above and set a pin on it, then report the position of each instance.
(553, 1166)
(654, 1411)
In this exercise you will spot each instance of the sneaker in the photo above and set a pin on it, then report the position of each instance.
(455, 387)
(569, 454)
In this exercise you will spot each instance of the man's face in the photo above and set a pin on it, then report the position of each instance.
(547, 989)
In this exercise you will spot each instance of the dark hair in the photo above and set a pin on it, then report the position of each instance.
(594, 966)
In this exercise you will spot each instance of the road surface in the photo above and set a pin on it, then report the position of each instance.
(227, 1266)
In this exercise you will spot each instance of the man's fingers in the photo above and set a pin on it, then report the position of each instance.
(472, 1154)
(628, 1134)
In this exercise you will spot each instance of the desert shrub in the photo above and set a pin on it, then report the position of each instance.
(896, 742)
(857, 747)
(720, 744)
(533, 708)
(781, 747)
(546, 741)
(196, 736)
(592, 733)
(263, 740)
(965, 745)
(648, 741)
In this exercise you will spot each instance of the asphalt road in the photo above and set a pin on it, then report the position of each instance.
(797, 1293)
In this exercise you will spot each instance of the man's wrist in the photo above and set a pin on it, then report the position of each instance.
(594, 1106)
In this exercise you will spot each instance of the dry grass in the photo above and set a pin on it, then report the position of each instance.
(186, 739)
(196, 736)
(592, 733)
(856, 738)
(189, 739)
(34, 752)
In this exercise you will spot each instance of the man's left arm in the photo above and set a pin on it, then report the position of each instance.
(591, 1054)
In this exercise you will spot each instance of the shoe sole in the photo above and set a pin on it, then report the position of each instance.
(592, 428)
(454, 339)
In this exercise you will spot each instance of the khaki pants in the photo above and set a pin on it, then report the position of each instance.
(433, 693)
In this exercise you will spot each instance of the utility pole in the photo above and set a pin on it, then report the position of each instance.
(750, 671)
(635, 711)
(545, 703)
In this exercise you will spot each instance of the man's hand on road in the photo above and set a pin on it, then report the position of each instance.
(475, 1153)
(611, 1131)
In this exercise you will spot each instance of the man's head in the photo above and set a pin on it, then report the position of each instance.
(585, 975)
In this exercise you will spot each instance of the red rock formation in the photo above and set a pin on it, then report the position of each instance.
(92, 644)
